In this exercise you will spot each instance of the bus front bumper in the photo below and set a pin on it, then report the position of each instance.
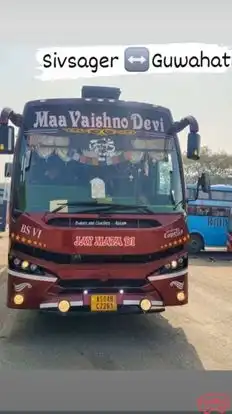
(42, 293)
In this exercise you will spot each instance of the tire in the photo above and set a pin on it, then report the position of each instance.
(195, 244)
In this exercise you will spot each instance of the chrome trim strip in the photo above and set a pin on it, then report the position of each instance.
(81, 303)
(137, 302)
(32, 277)
(55, 304)
(168, 275)
(48, 305)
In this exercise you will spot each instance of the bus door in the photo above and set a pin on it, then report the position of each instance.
(218, 221)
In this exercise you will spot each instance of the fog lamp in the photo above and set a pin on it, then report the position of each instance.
(18, 299)
(180, 296)
(145, 305)
(64, 306)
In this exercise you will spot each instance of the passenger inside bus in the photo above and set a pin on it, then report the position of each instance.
(146, 181)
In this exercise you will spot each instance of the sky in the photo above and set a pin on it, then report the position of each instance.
(40, 24)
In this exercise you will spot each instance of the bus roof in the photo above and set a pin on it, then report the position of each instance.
(221, 187)
(214, 187)
(73, 101)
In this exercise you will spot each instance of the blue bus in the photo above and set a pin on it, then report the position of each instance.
(208, 217)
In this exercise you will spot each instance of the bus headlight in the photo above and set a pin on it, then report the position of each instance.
(174, 264)
(177, 264)
(25, 264)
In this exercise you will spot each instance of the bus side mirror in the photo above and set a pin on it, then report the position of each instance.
(193, 146)
(7, 139)
(204, 182)
(8, 169)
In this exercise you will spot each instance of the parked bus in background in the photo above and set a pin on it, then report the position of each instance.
(208, 217)
(229, 234)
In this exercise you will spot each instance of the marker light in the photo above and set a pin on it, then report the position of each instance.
(64, 306)
(145, 305)
(18, 299)
(180, 296)
(25, 264)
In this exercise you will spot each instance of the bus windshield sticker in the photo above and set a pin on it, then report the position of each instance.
(104, 147)
(98, 188)
(76, 119)
(100, 132)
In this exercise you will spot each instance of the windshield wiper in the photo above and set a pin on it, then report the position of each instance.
(17, 212)
(101, 206)
(172, 195)
(178, 204)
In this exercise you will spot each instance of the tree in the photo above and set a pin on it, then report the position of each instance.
(217, 164)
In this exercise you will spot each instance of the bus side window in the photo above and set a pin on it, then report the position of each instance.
(217, 195)
(228, 196)
(191, 210)
(203, 211)
(203, 196)
(220, 212)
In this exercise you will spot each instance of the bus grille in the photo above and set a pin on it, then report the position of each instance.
(74, 259)
(102, 284)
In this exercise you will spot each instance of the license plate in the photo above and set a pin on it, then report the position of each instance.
(103, 303)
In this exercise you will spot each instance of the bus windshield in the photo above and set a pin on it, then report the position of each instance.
(125, 169)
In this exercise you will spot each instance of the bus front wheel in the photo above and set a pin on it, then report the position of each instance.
(195, 244)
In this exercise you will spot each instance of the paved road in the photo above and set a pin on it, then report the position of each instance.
(197, 336)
